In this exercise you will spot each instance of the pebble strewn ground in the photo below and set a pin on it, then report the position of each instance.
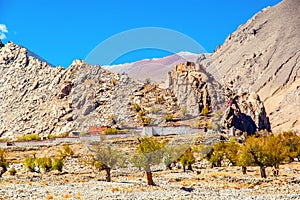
(170, 185)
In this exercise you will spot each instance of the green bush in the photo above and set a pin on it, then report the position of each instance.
(51, 136)
(43, 163)
(136, 107)
(29, 137)
(110, 131)
(168, 117)
(66, 151)
(205, 111)
(29, 164)
(57, 164)
(187, 159)
(64, 134)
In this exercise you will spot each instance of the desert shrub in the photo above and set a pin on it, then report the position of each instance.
(57, 164)
(82, 133)
(168, 117)
(110, 131)
(64, 134)
(159, 100)
(29, 164)
(147, 80)
(66, 151)
(146, 120)
(29, 137)
(51, 136)
(136, 107)
(3, 162)
(205, 111)
(43, 163)
(172, 153)
(12, 171)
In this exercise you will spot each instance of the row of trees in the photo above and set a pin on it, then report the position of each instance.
(38, 164)
(149, 152)
(263, 151)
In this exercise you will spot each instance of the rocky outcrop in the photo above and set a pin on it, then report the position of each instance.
(195, 89)
(245, 113)
(153, 103)
(263, 56)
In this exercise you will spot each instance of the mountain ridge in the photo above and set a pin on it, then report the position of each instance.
(263, 56)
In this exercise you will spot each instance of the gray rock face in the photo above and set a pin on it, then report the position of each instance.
(263, 56)
(245, 113)
(195, 89)
(38, 98)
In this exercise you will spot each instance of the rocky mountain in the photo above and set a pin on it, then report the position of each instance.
(39, 98)
(263, 56)
(155, 69)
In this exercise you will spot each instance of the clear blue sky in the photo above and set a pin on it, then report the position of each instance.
(63, 30)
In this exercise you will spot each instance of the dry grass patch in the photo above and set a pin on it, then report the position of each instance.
(49, 196)
(115, 189)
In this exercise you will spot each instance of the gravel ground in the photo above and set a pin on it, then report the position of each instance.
(169, 186)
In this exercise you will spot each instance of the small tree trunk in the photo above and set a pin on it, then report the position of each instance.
(190, 167)
(183, 168)
(149, 178)
(263, 171)
(108, 176)
(244, 169)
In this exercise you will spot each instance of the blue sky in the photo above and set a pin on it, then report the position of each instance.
(61, 30)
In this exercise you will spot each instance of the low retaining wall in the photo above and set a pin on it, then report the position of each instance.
(169, 130)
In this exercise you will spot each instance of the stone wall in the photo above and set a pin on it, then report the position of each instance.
(162, 130)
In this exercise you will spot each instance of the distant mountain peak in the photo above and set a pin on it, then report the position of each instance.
(155, 68)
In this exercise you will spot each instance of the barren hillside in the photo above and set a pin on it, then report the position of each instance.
(263, 56)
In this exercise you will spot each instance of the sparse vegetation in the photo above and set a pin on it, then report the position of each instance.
(187, 159)
(168, 117)
(29, 137)
(136, 107)
(110, 131)
(64, 134)
(159, 100)
(57, 164)
(205, 111)
(66, 151)
(263, 151)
